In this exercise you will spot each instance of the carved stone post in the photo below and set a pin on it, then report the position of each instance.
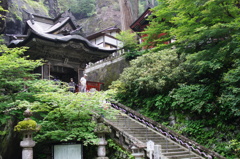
(137, 153)
(101, 130)
(27, 127)
(27, 144)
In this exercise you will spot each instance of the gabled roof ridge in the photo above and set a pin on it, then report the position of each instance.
(141, 16)
(102, 31)
(62, 23)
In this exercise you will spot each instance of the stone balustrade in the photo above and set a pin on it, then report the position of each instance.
(110, 58)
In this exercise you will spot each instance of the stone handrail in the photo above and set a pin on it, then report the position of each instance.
(167, 132)
(111, 57)
(131, 139)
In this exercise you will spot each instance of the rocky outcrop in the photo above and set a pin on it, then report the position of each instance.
(4, 5)
(107, 15)
(53, 7)
(18, 13)
(9, 145)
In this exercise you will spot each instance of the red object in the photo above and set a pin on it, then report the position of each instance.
(96, 85)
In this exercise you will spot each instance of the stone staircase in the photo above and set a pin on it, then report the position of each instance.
(134, 132)
(169, 149)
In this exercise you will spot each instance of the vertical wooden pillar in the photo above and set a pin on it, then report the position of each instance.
(46, 71)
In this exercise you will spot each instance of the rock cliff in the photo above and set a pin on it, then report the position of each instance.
(107, 14)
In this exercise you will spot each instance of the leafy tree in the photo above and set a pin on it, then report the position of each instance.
(128, 39)
(149, 74)
(130, 44)
(69, 116)
(63, 116)
(15, 70)
(203, 86)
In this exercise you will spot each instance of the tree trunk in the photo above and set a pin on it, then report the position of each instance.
(129, 12)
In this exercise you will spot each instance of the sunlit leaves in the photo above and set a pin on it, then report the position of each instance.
(203, 81)
(151, 73)
(68, 116)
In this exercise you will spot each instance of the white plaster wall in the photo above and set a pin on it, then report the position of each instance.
(99, 40)
(113, 34)
(110, 40)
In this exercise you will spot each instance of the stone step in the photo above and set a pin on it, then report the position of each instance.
(153, 138)
(133, 129)
(147, 135)
(120, 119)
(169, 146)
(172, 150)
(188, 156)
(192, 158)
(127, 124)
(176, 153)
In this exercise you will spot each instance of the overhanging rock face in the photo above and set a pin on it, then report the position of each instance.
(58, 41)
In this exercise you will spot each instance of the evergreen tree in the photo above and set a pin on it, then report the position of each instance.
(197, 82)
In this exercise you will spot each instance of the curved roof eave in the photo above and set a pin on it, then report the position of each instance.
(61, 24)
(62, 39)
(52, 29)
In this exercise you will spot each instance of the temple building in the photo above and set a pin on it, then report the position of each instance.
(141, 23)
(106, 38)
(61, 44)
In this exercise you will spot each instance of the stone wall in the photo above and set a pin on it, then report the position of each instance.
(107, 70)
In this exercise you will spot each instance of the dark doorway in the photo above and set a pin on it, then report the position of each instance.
(63, 74)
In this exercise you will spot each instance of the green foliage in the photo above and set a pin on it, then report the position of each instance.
(15, 69)
(149, 74)
(119, 152)
(129, 44)
(68, 117)
(2, 17)
(63, 116)
(235, 146)
(193, 99)
(15, 11)
(37, 5)
(195, 86)
(128, 39)
(132, 54)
